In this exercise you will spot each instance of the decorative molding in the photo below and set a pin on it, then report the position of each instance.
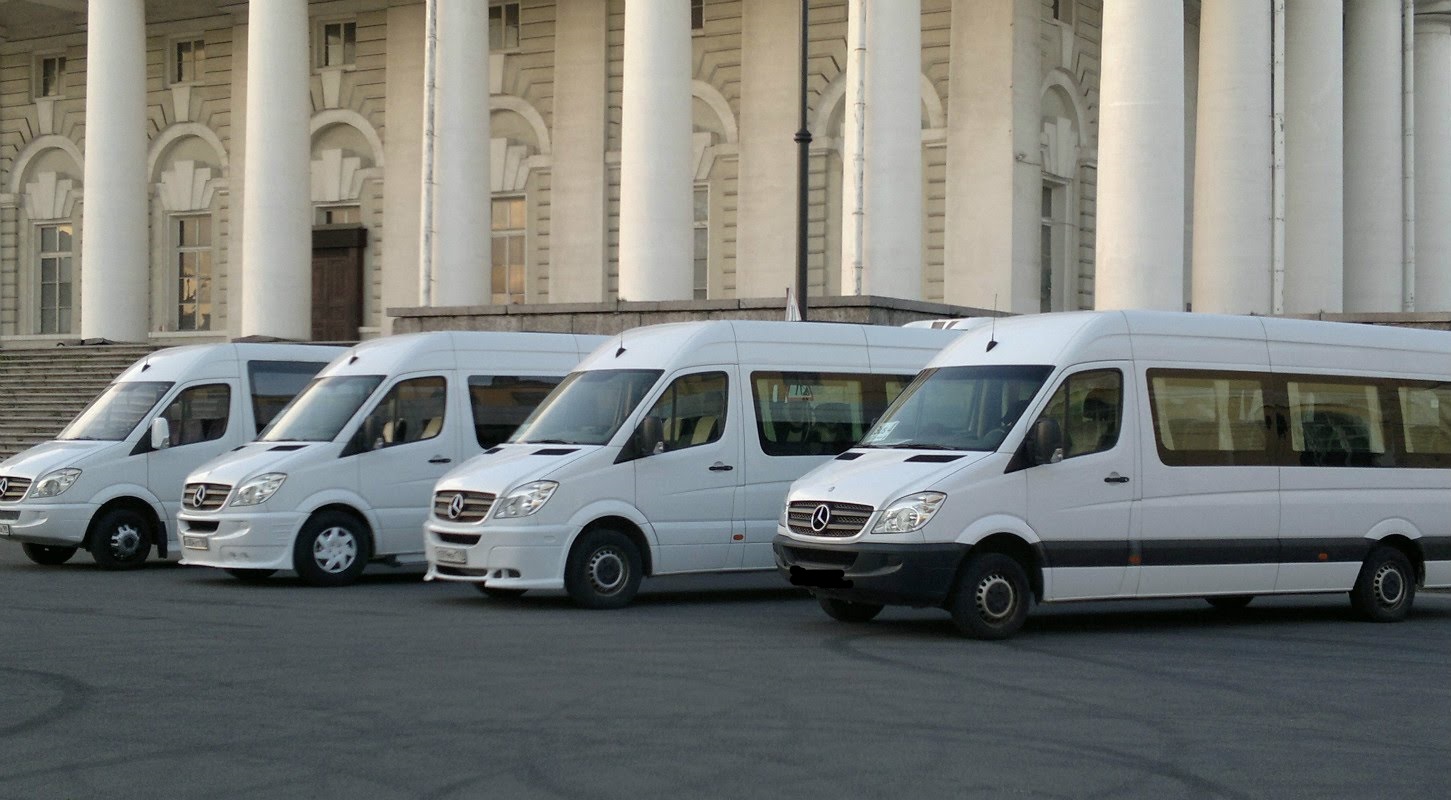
(1063, 80)
(932, 104)
(712, 97)
(336, 177)
(702, 154)
(835, 93)
(520, 106)
(344, 116)
(186, 187)
(496, 73)
(39, 145)
(332, 85)
(509, 165)
(179, 131)
(50, 197)
(1059, 144)
(181, 102)
(45, 115)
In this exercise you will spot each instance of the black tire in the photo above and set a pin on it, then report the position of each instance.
(992, 597)
(121, 539)
(1229, 602)
(48, 555)
(331, 549)
(603, 570)
(1386, 586)
(847, 611)
(498, 593)
(250, 575)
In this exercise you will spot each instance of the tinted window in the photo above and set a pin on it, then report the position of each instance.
(274, 384)
(691, 411)
(587, 407)
(814, 413)
(959, 408)
(116, 412)
(1088, 407)
(322, 409)
(198, 414)
(412, 411)
(1426, 424)
(1210, 418)
(501, 403)
(1337, 424)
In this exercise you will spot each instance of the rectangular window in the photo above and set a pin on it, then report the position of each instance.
(191, 247)
(54, 265)
(339, 46)
(339, 215)
(51, 77)
(199, 414)
(275, 383)
(508, 251)
(1088, 407)
(1210, 418)
(815, 413)
(1426, 424)
(1045, 253)
(702, 242)
(501, 402)
(188, 61)
(690, 412)
(697, 15)
(1336, 424)
(412, 411)
(503, 26)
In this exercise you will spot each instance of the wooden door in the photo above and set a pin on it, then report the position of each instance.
(337, 283)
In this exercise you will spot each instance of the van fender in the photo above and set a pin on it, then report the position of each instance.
(340, 497)
(984, 527)
(611, 507)
(1007, 525)
(136, 491)
(1400, 529)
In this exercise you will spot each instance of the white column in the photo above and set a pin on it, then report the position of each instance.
(770, 86)
(1314, 157)
(1373, 155)
(577, 185)
(277, 207)
(1231, 248)
(656, 213)
(881, 249)
(462, 239)
(403, 153)
(1140, 238)
(1433, 164)
(114, 274)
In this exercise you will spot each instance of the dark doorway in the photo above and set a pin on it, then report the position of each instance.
(337, 283)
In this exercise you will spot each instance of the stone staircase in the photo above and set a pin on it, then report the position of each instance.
(42, 388)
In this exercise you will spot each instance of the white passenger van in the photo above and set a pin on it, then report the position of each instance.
(1096, 455)
(668, 451)
(113, 477)
(343, 476)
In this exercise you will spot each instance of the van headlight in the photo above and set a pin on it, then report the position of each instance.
(53, 483)
(909, 513)
(258, 489)
(525, 499)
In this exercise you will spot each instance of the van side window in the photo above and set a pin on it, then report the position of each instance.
(819, 413)
(1089, 409)
(199, 414)
(1336, 424)
(1426, 424)
(1209, 418)
(692, 411)
(275, 383)
(501, 402)
(411, 411)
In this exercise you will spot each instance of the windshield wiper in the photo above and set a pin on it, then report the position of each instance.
(549, 441)
(917, 446)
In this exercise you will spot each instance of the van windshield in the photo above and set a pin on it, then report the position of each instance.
(958, 408)
(587, 407)
(322, 409)
(115, 413)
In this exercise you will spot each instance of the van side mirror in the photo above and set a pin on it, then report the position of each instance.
(1045, 442)
(160, 434)
(647, 440)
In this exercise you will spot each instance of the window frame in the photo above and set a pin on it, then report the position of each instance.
(361, 441)
(204, 253)
(509, 235)
(1065, 385)
(65, 260)
(1271, 395)
(681, 442)
(473, 381)
(182, 398)
(503, 7)
(700, 259)
(174, 60)
(260, 418)
(321, 60)
(870, 384)
(697, 16)
(38, 86)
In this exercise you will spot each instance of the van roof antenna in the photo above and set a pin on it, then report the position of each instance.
(992, 337)
(621, 351)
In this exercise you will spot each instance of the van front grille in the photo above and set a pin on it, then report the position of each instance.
(462, 506)
(204, 496)
(12, 489)
(841, 519)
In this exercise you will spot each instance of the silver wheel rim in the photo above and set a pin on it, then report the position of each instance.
(608, 571)
(995, 598)
(335, 549)
(125, 541)
(1389, 585)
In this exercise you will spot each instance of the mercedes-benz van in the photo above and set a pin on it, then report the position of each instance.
(669, 450)
(1098, 455)
(343, 476)
(112, 478)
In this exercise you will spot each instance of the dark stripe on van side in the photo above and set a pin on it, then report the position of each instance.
(1058, 555)
(1206, 552)
(1306, 551)
(1436, 548)
(1195, 552)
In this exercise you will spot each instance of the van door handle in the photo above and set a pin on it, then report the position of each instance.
(719, 467)
(442, 460)
(1116, 478)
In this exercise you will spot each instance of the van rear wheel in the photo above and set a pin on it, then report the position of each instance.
(121, 539)
(1229, 602)
(992, 596)
(847, 611)
(603, 570)
(48, 555)
(1385, 587)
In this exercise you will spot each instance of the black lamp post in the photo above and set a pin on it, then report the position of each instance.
(803, 156)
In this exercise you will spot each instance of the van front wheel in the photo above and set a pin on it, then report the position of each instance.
(603, 570)
(47, 555)
(991, 601)
(1385, 587)
(121, 539)
(331, 549)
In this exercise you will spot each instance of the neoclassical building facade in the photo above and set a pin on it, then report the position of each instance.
(174, 170)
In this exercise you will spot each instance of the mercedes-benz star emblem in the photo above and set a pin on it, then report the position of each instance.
(4, 486)
(820, 518)
(456, 506)
(199, 496)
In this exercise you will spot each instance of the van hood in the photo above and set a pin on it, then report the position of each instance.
(501, 468)
(256, 458)
(53, 455)
(877, 477)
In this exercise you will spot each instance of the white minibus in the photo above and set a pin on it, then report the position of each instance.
(1094, 455)
(668, 451)
(343, 475)
(113, 477)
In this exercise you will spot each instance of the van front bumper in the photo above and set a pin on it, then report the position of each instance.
(869, 572)
(56, 524)
(239, 541)
(503, 556)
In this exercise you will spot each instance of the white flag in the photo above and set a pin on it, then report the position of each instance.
(793, 314)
